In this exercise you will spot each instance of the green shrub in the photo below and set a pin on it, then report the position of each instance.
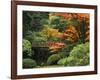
(66, 50)
(80, 50)
(27, 51)
(79, 56)
(29, 63)
(62, 54)
(53, 59)
(62, 61)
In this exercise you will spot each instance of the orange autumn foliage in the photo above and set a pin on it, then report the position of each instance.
(71, 15)
(87, 35)
(83, 15)
(55, 46)
(71, 34)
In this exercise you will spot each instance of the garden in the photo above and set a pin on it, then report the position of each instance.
(55, 39)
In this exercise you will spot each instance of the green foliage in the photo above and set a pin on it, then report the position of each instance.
(27, 51)
(73, 22)
(33, 21)
(29, 63)
(80, 50)
(29, 36)
(79, 56)
(35, 36)
(54, 39)
(65, 51)
(53, 59)
(62, 54)
(39, 39)
(62, 61)
(57, 23)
